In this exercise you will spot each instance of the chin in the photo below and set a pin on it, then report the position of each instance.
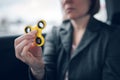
(72, 17)
(75, 16)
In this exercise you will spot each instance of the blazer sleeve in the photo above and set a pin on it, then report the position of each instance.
(30, 75)
(111, 69)
(50, 55)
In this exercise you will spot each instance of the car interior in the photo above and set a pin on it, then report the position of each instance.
(13, 69)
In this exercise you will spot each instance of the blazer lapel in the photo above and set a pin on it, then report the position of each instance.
(89, 35)
(66, 36)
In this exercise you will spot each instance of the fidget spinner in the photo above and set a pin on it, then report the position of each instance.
(39, 40)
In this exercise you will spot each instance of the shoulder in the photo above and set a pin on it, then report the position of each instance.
(53, 34)
(65, 25)
(105, 27)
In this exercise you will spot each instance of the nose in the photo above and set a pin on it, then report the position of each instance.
(64, 1)
(67, 0)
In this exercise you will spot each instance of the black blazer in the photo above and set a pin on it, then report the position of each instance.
(94, 59)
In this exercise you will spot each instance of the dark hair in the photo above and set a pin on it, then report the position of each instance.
(95, 6)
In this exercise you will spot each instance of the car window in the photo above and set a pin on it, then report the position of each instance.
(16, 14)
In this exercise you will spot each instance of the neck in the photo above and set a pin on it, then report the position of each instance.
(80, 23)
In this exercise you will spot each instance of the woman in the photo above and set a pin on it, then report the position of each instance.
(77, 50)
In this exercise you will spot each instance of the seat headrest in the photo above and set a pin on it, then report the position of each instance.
(116, 19)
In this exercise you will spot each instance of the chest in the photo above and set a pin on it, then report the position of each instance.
(87, 59)
(77, 37)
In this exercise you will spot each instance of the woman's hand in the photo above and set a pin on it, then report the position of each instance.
(26, 51)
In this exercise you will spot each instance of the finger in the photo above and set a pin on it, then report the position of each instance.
(26, 36)
(26, 55)
(19, 47)
(22, 55)
(36, 50)
(30, 58)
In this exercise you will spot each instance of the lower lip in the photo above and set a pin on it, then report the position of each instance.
(69, 10)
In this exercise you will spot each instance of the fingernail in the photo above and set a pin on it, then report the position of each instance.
(35, 31)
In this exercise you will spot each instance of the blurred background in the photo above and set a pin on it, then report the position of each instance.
(16, 14)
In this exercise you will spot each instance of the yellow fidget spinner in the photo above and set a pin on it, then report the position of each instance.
(39, 41)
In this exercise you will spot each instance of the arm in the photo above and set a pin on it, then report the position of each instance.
(27, 52)
(111, 69)
(49, 56)
(30, 54)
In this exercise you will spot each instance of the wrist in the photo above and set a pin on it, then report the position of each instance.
(38, 73)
